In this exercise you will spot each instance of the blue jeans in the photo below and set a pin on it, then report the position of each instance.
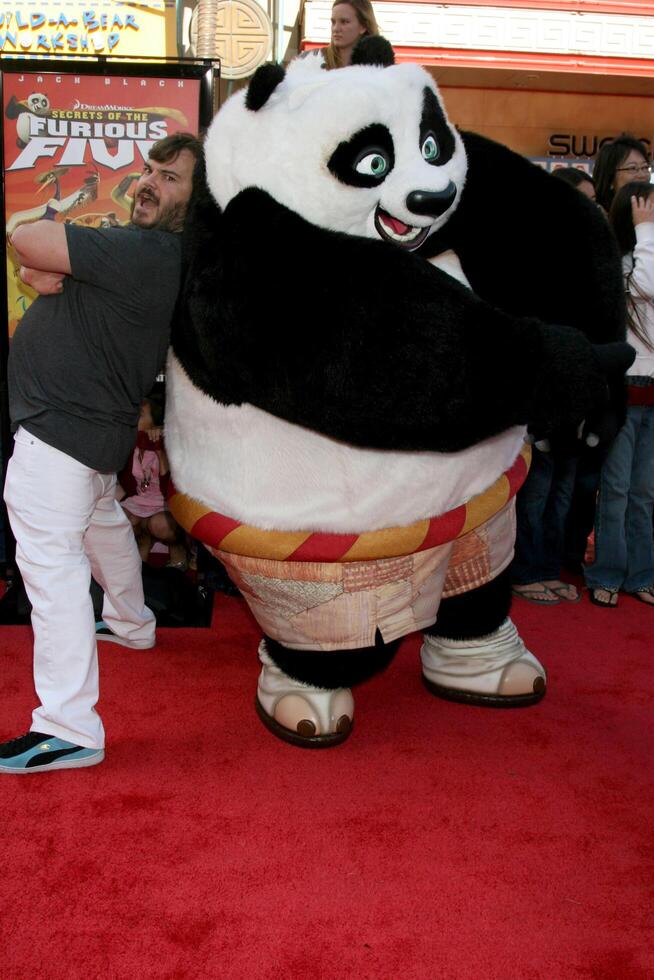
(542, 506)
(624, 545)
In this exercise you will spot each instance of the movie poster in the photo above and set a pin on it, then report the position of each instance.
(74, 145)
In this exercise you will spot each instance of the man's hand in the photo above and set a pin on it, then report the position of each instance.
(45, 283)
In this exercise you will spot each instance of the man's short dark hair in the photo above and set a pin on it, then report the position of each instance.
(169, 148)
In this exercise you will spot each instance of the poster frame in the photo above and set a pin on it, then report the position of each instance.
(206, 71)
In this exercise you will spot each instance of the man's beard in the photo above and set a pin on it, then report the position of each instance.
(170, 218)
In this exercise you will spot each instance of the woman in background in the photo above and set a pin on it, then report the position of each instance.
(619, 162)
(578, 178)
(350, 22)
(624, 546)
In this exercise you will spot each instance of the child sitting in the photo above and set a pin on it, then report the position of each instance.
(144, 482)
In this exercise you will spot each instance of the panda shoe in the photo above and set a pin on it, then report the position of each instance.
(495, 671)
(311, 717)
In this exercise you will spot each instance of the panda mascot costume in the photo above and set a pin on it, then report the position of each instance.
(352, 372)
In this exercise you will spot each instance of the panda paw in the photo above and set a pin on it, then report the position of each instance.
(571, 397)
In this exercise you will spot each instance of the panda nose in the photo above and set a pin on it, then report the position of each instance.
(432, 203)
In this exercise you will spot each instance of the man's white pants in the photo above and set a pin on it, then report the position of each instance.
(68, 525)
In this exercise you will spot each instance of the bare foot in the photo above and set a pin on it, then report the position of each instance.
(645, 595)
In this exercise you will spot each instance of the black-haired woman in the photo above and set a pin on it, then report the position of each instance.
(624, 546)
(619, 162)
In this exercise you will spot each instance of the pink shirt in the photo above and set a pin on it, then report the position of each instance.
(148, 499)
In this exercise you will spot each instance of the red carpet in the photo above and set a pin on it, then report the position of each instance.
(441, 841)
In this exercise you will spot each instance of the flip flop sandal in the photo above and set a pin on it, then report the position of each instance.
(529, 594)
(561, 591)
(604, 603)
(640, 593)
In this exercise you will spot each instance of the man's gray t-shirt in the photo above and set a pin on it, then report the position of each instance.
(81, 362)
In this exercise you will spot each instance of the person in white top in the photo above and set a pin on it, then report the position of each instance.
(624, 544)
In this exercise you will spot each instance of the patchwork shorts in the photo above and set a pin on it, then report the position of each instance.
(340, 605)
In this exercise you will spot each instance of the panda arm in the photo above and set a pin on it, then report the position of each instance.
(533, 245)
(15, 108)
(377, 348)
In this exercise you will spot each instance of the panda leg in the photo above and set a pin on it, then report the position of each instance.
(474, 653)
(304, 697)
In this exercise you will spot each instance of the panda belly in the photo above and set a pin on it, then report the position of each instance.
(261, 470)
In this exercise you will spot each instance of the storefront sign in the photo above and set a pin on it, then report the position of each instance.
(78, 29)
(575, 145)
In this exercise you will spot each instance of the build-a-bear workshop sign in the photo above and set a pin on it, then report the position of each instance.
(83, 29)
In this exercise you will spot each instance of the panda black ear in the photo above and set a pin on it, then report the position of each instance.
(264, 82)
(373, 49)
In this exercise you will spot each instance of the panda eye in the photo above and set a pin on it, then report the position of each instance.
(430, 148)
(375, 164)
(365, 159)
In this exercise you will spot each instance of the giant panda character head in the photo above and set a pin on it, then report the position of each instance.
(38, 104)
(366, 150)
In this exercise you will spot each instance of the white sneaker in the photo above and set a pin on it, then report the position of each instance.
(103, 632)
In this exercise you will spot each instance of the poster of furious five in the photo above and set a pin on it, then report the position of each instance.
(74, 144)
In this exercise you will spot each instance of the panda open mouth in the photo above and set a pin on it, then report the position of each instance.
(398, 232)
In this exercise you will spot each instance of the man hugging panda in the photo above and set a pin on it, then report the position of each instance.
(375, 308)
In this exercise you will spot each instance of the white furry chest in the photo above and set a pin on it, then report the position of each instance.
(261, 470)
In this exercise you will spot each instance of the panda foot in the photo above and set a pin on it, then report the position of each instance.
(310, 717)
(494, 671)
